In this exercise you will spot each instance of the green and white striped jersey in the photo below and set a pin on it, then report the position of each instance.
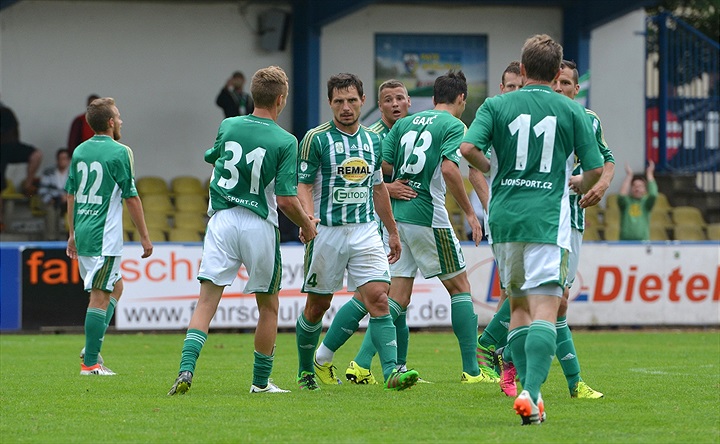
(577, 214)
(415, 147)
(343, 169)
(255, 159)
(380, 128)
(534, 134)
(101, 174)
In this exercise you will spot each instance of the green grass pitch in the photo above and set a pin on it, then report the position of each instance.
(659, 387)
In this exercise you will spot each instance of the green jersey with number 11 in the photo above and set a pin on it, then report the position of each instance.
(416, 147)
(254, 160)
(533, 134)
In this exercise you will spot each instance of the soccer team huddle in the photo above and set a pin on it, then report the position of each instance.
(370, 202)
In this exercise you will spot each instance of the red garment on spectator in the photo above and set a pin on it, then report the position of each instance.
(80, 131)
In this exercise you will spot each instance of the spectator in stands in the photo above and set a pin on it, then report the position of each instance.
(232, 99)
(52, 193)
(635, 200)
(14, 151)
(80, 131)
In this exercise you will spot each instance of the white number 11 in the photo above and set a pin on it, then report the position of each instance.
(546, 127)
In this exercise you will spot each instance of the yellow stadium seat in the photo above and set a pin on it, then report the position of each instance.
(158, 203)
(658, 233)
(689, 232)
(151, 185)
(184, 235)
(611, 216)
(187, 185)
(10, 191)
(660, 217)
(592, 217)
(191, 203)
(127, 235)
(611, 232)
(662, 203)
(193, 220)
(591, 233)
(156, 235)
(611, 201)
(157, 220)
(688, 216)
(713, 231)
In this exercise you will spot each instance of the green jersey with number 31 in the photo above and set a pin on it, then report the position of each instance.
(255, 159)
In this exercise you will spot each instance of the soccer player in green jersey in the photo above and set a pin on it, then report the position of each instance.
(423, 149)
(341, 183)
(568, 85)
(534, 135)
(393, 102)
(255, 173)
(100, 176)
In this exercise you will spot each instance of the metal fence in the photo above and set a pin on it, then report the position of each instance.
(682, 84)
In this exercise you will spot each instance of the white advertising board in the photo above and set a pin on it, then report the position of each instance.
(617, 284)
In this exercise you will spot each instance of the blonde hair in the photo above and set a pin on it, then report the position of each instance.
(267, 84)
(99, 112)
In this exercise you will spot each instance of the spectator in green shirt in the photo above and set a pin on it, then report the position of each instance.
(636, 200)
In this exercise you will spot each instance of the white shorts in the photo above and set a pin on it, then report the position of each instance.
(356, 248)
(576, 237)
(435, 251)
(238, 236)
(100, 272)
(531, 268)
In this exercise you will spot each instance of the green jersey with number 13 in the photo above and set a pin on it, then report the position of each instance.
(416, 147)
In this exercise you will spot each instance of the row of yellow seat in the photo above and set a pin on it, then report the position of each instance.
(683, 232)
(180, 185)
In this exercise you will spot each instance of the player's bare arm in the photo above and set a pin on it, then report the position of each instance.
(596, 193)
(293, 209)
(454, 182)
(134, 205)
(475, 157)
(381, 199)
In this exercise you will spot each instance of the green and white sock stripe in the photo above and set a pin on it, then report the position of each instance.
(460, 297)
(97, 312)
(307, 326)
(515, 331)
(359, 305)
(395, 308)
(197, 336)
(539, 323)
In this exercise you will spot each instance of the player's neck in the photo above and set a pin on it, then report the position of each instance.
(265, 113)
(347, 129)
(531, 82)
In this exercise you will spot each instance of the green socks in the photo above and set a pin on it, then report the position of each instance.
(516, 345)
(194, 341)
(346, 323)
(94, 332)
(465, 327)
(566, 353)
(497, 330)
(539, 350)
(307, 336)
(382, 331)
(262, 367)
(367, 349)
(110, 311)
